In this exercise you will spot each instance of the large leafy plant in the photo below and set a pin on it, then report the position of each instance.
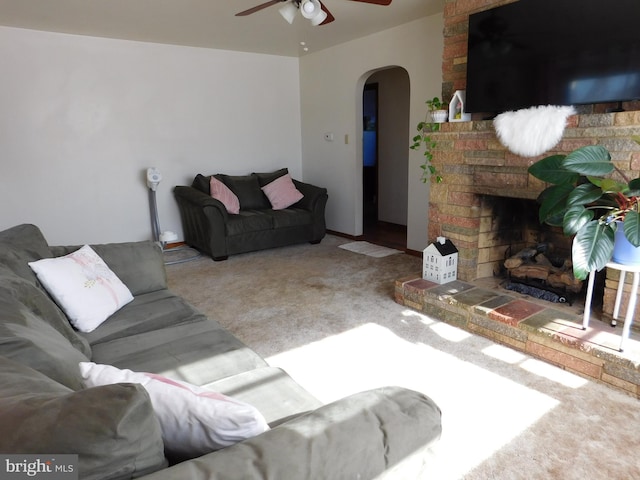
(586, 201)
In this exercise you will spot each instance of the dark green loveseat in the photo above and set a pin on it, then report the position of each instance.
(209, 228)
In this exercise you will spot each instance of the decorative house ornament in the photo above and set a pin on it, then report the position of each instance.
(456, 107)
(532, 131)
(440, 261)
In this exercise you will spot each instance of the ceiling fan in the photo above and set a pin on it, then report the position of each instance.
(313, 10)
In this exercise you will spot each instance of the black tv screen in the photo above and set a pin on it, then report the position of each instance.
(553, 52)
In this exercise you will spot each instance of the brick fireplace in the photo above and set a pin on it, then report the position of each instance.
(475, 166)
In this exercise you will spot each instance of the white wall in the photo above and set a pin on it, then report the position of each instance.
(81, 119)
(331, 83)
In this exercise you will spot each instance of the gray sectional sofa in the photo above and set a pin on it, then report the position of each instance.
(211, 229)
(46, 408)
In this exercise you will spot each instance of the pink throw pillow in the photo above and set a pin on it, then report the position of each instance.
(221, 192)
(282, 193)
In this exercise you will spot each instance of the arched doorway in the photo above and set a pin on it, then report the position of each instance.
(385, 161)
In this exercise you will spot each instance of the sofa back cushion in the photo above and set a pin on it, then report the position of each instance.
(22, 301)
(19, 246)
(112, 429)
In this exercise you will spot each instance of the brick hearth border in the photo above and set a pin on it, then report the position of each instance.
(534, 328)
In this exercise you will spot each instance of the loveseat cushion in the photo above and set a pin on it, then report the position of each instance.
(249, 221)
(267, 178)
(113, 429)
(247, 189)
(291, 217)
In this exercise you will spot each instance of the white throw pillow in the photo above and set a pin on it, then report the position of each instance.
(84, 287)
(194, 420)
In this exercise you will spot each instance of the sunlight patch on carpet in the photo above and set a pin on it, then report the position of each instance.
(370, 356)
(369, 249)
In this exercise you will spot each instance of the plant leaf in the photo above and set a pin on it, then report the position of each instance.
(632, 227)
(550, 170)
(575, 218)
(634, 187)
(553, 201)
(590, 160)
(592, 248)
(583, 195)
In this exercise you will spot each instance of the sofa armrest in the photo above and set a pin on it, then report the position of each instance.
(360, 436)
(313, 195)
(140, 265)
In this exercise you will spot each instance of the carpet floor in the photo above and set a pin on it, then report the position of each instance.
(327, 316)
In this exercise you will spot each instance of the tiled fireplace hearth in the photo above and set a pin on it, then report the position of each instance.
(476, 167)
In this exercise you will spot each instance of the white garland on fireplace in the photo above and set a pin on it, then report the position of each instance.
(532, 131)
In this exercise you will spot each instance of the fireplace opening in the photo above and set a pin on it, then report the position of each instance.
(531, 258)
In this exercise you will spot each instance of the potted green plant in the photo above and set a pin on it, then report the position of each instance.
(587, 201)
(431, 124)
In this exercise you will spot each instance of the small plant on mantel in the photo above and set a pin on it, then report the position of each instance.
(588, 203)
(424, 139)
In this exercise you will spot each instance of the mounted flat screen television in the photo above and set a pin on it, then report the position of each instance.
(553, 52)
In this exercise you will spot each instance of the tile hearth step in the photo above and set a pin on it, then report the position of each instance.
(529, 325)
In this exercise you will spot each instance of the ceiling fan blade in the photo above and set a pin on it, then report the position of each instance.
(374, 2)
(330, 18)
(257, 8)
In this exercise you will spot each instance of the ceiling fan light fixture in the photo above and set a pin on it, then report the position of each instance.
(288, 11)
(310, 8)
(319, 18)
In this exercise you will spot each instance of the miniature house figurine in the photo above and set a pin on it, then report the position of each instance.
(456, 107)
(440, 261)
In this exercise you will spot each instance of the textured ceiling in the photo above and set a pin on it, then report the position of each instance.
(212, 23)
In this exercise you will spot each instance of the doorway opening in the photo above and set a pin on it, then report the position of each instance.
(385, 157)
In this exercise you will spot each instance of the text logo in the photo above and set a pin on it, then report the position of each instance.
(39, 467)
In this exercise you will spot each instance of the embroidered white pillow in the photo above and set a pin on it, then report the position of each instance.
(194, 420)
(84, 287)
(221, 192)
(282, 193)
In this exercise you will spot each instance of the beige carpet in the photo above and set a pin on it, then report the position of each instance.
(327, 316)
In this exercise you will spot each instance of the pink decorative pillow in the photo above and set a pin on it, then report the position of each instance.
(221, 192)
(282, 193)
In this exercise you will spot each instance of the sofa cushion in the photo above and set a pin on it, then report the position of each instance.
(194, 420)
(271, 390)
(112, 429)
(84, 286)
(247, 189)
(40, 347)
(222, 193)
(282, 193)
(198, 351)
(19, 246)
(146, 313)
(21, 301)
